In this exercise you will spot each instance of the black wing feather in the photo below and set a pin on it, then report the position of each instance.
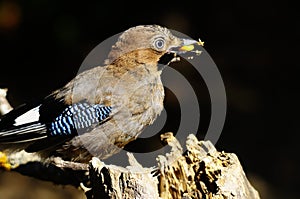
(57, 123)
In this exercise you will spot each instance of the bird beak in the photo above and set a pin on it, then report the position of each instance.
(186, 45)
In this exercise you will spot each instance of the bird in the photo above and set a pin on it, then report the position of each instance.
(101, 109)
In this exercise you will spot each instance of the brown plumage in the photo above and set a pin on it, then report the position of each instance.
(129, 82)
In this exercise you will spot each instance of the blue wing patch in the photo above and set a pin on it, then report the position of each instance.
(78, 116)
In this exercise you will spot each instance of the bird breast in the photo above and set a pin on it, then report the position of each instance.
(136, 97)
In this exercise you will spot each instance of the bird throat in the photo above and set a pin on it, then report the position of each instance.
(137, 57)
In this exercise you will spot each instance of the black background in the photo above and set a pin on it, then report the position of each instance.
(255, 45)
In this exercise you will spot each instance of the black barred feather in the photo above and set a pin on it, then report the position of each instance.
(77, 117)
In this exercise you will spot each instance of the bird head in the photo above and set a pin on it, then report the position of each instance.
(146, 44)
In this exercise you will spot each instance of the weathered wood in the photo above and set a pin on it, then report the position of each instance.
(201, 172)
(4, 105)
(134, 181)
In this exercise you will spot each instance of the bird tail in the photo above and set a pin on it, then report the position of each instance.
(22, 134)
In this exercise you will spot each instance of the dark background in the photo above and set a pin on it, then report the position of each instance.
(255, 45)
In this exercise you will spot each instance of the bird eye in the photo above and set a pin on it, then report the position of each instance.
(159, 43)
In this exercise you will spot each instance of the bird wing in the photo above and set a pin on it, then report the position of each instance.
(50, 122)
(22, 125)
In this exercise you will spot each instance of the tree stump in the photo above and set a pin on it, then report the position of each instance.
(200, 172)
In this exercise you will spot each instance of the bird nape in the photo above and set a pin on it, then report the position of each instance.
(101, 109)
